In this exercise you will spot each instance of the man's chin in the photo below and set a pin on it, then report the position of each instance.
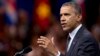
(65, 29)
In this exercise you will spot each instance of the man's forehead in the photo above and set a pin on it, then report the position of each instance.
(66, 9)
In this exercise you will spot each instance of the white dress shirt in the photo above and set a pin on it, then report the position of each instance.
(72, 35)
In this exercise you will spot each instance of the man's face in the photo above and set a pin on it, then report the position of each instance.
(68, 18)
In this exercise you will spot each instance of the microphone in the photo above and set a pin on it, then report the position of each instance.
(23, 52)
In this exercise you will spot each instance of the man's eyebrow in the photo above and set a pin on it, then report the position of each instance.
(66, 14)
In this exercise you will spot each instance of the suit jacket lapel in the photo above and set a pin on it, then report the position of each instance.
(75, 40)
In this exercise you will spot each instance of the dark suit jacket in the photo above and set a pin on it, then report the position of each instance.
(83, 44)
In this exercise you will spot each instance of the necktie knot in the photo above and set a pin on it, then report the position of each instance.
(68, 38)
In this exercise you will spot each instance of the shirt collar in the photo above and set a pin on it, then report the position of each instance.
(73, 33)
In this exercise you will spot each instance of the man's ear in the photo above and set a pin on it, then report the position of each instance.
(79, 18)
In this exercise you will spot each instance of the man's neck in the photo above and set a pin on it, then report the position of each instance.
(73, 33)
(74, 28)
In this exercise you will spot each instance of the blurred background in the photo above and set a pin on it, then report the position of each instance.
(20, 20)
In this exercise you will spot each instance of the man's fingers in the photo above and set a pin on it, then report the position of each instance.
(52, 39)
(42, 42)
(44, 46)
(41, 39)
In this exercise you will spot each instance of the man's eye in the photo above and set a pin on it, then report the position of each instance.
(66, 14)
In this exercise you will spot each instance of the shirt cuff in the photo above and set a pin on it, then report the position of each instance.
(58, 53)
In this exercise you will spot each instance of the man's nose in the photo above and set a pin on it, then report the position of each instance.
(62, 18)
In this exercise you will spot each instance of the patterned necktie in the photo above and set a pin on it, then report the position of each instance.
(68, 40)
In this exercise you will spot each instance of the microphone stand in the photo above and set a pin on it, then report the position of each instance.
(23, 52)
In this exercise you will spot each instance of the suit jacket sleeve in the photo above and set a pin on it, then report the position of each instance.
(88, 47)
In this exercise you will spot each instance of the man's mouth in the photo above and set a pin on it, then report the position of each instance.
(63, 24)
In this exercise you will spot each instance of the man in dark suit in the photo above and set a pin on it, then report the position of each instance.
(80, 42)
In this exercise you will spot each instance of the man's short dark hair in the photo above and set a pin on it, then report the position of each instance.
(74, 5)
